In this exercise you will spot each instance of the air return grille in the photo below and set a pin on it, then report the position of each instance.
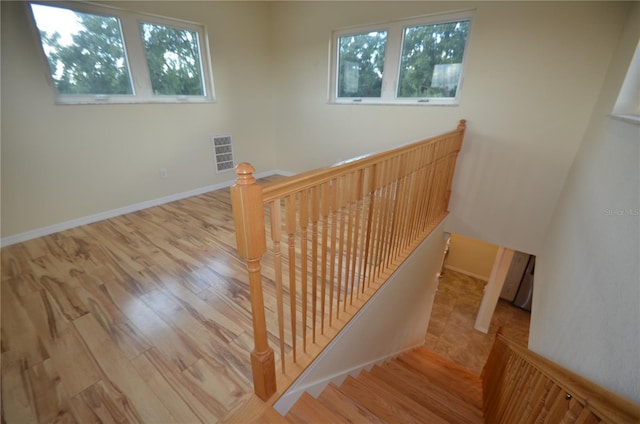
(223, 152)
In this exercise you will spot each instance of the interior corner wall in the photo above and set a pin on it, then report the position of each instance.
(64, 162)
(395, 319)
(586, 304)
(471, 257)
(531, 80)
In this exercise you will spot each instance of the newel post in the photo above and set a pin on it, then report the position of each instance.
(462, 127)
(248, 217)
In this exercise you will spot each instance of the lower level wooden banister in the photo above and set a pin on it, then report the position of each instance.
(522, 386)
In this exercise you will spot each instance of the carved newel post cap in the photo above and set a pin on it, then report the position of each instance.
(245, 171)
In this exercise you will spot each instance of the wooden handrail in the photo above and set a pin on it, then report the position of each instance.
(279, 189)
(334, 236)
(521, 386)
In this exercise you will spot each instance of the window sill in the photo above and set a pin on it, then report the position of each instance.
(398, 103)
(631, 119)
(126, 100)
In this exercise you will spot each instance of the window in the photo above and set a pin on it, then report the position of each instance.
(104, 55)
(361, 64)
(417, 61)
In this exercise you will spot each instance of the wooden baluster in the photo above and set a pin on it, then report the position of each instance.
(379, 217)
(334, 226)
(422, 190)
(391, 210)
(451, 162)
(438, 181)
(304, 222)
(416, 182)
(367, 193)
(370, 226)
(407, 237)
(458, 144)
(343, 214)
(429, 188)
(401, 204)
(391, 214)
(399, 197)
(276, 237)
(405, 215)
(433, 195)
(248, 217)
(315, 216)
(354, 227)
(326, 202)
(440, 171)
(291, 231)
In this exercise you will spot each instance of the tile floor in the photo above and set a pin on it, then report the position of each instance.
(451, 333)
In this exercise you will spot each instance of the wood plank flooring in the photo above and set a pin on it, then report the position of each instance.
(140, 318)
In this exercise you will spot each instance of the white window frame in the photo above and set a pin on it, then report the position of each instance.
(393, 56)
(136, 56)
(627, 107)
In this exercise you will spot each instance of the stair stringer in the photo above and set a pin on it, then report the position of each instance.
(393, 321)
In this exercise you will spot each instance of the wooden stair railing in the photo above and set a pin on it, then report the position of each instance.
(339, 233)
(520, 386)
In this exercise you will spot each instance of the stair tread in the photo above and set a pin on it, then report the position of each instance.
(310, 410)
(385, 402)
(444, 373)
(413, 385)
(417, 387)
(415, 408)
(271, 416)
(340, 403)
(442, 365)
(433, 386)
(371, 399)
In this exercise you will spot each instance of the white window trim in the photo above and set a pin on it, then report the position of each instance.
(136, 57)
(627, 107)
(395, 31)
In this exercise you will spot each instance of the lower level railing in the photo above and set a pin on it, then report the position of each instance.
(317, 243)
(520, 386)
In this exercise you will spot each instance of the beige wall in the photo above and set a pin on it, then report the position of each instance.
(531, 80)
(62, 162)
(586, 304)
(473, 257)
(533, 74)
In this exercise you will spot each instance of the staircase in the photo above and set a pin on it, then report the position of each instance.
(417, 387)
(516, 386)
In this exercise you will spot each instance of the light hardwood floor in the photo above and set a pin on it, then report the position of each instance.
(140, 318)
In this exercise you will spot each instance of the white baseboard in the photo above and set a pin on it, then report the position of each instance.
(470, 274)
(286, 402)
(55, 228)
(279, 172)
